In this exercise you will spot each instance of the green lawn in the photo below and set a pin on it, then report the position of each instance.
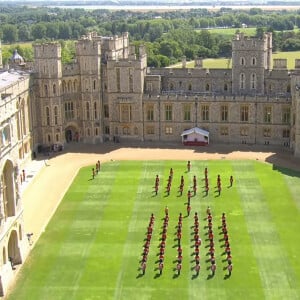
(225, 63)
(92, 247)
(232, 31)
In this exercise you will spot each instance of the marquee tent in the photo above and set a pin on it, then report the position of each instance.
(195, 137)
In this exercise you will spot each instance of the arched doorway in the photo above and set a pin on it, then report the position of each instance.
(71, 134)
(8, 187)
(13, 249)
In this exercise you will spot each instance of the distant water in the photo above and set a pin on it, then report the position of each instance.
(174, 7)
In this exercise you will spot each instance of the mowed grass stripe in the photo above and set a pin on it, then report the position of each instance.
(229, 202)
(107, 259)
(131, 248)
(263, 232)
(82, 233)
(285, 217)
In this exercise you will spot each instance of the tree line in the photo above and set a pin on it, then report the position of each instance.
(168, 35)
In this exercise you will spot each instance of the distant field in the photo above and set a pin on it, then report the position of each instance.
(232, 31)
(27, 44)
(217, 63)
(92, 247)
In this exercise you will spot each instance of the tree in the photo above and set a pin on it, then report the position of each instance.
(260, 31)
(164, 60)
(38, 31)
(52, 30)
(10, 33)
(24, 33)
(64, 31)
(225, 48)
(68, 51)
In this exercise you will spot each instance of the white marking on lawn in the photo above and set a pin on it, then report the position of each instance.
(275, 271)
(131, 228)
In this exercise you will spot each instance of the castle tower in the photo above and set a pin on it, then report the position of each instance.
(124, 93)
(88, 53)
(49, 108)
(250, 58)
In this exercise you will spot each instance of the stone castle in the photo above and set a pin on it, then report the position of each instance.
(109, 94)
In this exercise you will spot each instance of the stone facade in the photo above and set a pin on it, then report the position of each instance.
(15, 150)
(109, 93)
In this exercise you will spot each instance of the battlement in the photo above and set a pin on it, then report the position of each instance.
(243, 42)
(70, 69)
(114, 43)
(88, 47)
(280, 63)
(47, 51)
(178, 96)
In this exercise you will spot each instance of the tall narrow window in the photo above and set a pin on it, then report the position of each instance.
(168, 112)
(94, 84)
(205, 112)
(130, 80)
(106, 111)
(286, 115)
(253, 81)
(187, 112)
(242, 81)
(55, 115)
(150, 112)
(224, 113)
(69, 111)
(267, 114)
(118, 78)
(244, 113)
(207, 87)
(87, 110)
(47, 116)
(95, 110)
(54, 89)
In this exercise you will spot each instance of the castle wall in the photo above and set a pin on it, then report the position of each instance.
(114, 94)
(15, 150)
